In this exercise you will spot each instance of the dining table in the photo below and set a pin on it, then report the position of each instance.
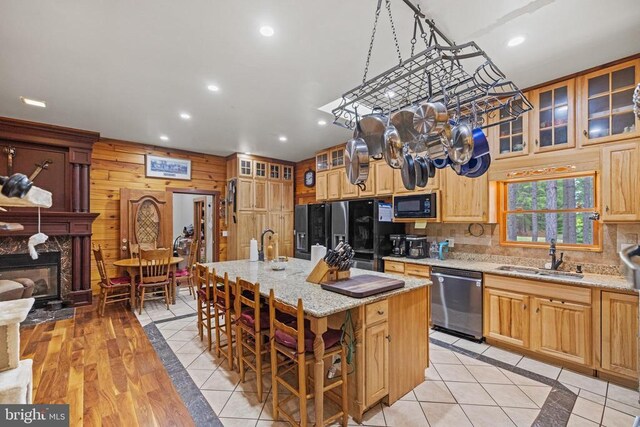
(132, 267)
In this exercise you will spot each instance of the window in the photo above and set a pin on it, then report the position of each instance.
(534, 212)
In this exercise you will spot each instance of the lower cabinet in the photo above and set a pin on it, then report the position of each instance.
(620, 333)
(506, 317)
(561, 329)
(377, 362)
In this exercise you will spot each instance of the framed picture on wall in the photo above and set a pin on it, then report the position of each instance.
(167, 167)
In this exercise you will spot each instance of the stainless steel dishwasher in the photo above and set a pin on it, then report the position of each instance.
(456, 301)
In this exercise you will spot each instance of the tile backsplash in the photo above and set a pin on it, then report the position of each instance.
(487, 247)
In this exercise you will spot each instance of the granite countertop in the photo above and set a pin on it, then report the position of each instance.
(592, 280)
(290, 284)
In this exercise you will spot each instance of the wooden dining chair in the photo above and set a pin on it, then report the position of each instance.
(225, 316)
(293, 342)
(155, 265)
(185, 275)
(252, 331)
(135, 248)
(112, 289)
(205, 286)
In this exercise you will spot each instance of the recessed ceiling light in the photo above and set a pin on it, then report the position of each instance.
(515, 41)
(283, 138)
(266, 31)
(213, 88)
(185, 116)
(164, 137)
(33, 102)
(322, 122)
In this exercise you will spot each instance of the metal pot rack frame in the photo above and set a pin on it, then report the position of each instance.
(461, 76)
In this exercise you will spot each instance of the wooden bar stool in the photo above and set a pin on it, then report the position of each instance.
(294, 342)
(204, 288)
(252, 330)
(223, 307)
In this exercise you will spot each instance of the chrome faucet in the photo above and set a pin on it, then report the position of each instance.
(555, 263)
(261, 251)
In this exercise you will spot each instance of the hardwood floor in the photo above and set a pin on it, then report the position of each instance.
(105, 368)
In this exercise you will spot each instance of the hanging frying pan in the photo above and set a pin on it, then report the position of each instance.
(483, 166)
(480, 143)
(403, 121)
(430, 118)
(461, 149)
(392, 144)
(356, 161)
(423, 168)
(408, 172)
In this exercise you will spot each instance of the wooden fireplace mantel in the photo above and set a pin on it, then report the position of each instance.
(68, 179)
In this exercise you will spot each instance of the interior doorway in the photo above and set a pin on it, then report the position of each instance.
(195, 216)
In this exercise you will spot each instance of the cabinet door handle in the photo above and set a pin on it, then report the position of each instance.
(388, 338)
(606, 208)
(537, 143)
(585, 133)
(538, 310)
(524, 143)
(524, 306)
(380, 312)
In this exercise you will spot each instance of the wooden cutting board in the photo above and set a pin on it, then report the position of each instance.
(364, 285)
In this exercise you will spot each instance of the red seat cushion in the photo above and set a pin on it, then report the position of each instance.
(124, 280)
(248, 318)
(181, 273)
(331, 338)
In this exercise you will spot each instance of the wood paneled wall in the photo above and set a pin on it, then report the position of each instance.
(120, 164)
(304, 194)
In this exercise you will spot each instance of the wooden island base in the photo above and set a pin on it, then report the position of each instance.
(391, 349)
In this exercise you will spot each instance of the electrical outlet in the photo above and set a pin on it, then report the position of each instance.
(451, 241)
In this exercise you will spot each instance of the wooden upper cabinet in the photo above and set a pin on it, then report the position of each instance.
(260, 169)
(464, 199)
(619, 333)
(244, 194)
(561, 329)
(606, 109)
(321, 186)
(287, 173)
(384, 179)
(260, 195)
(334, 178)
(506, 317)
(287, 196)
(245, 167)
(620, 200)
(337, 157)
(510, 139)
(553, 117)
(322, 161)
(275, 196)
(275, 171)
(347, 189)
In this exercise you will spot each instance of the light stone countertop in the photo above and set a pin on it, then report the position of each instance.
(290, 284)
(592, 280)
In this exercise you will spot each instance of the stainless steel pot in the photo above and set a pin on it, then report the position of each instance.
(372, 128)
(461, 149)
(430, 118)
(392, 144)
(403, 121)
(434, 147)
(356, 161)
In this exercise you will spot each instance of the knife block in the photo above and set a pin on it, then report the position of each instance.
(323, 273)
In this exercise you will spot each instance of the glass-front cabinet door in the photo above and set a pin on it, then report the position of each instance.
(322, 161)
(287, 173)
(509, 139)
(245, 167)
(260, 169)
(275, 171)
(553, 117)
(606, 106)
(337, 158)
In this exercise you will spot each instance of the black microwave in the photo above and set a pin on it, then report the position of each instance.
(417, 206)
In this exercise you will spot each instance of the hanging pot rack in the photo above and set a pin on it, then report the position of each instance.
(461, 76)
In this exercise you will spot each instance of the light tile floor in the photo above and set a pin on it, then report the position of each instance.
(458, 391)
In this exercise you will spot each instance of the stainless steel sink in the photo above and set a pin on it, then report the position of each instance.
(539, 271)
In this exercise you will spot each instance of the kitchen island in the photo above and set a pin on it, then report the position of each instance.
(390, 330)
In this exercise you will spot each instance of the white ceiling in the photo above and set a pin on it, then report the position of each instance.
(128, 68)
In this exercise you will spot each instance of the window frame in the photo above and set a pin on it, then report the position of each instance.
(503, 211)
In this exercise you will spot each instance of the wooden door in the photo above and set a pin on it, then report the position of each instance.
(260, 195)
(259, 224)
(620, 333)
(561, 329)
(370, 183)
(275, 196)
(384, 179)
(376, 362)
(465, 199)
(144, 218)
(287, 197)
(347, 189)
(245, 232)
(321, 186)
(506, 317)
(333, 184)
(553, 117)
(620, 183)
(605, 111)
(244, 194)
(200, 228)
(286, 239)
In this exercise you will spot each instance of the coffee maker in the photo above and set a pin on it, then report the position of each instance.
(417, 247)
(399, 245)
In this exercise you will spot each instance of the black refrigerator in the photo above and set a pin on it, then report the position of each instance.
(312, 226)
(366, 225)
